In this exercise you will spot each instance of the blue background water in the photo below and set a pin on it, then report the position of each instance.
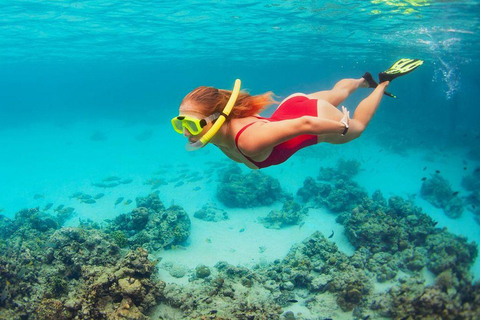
(69, 69)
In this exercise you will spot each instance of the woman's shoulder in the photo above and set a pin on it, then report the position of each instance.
(237, 124)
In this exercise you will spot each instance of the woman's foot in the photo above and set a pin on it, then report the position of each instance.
(369, 82)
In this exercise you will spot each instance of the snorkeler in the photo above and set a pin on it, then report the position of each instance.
(300, 120)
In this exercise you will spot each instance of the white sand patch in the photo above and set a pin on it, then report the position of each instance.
(241, 240)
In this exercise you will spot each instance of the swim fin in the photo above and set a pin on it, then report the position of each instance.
(368, 77)
(373, 84)
(399, 68)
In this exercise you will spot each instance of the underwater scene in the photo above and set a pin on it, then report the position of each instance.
(104, 214)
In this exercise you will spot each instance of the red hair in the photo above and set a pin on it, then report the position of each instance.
(209, 100)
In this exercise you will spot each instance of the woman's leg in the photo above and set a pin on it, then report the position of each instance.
(340, 91)
(362, 116)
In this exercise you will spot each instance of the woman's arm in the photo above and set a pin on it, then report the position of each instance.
(266, 135)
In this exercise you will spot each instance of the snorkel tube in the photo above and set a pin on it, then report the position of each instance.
(219, 122)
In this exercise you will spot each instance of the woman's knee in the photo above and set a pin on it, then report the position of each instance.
(356, 129)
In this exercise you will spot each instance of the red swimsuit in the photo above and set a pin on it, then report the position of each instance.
(292, 108)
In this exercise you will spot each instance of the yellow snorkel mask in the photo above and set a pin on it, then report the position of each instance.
(191, 123)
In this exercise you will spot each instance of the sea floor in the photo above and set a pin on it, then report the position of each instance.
(47, 163)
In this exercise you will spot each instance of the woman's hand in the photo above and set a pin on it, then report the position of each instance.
(345, 120)
(346, 117)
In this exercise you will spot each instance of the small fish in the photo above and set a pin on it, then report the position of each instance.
(177, 247)
(100, 184)
(38, 196)
(127, 202)
(22, 272)
(111, 178)
(301, 224)
(424, 178)
(424, 168)
(455, 193)
(48, 244)
(126, 181)
(331, 235)
(208, 240)
(197, 188)
(119, 200)
(241, 230)
(292, 300)
(89, 201)
(60, 207)
(437, 171)
(76, 195)
(477, 170)
(5, 293)
(112, 184)
(464, 168)
(48, 206)
(98, 196)
(178, 184)
(85, 197)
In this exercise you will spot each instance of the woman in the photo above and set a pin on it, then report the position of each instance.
(300, 120)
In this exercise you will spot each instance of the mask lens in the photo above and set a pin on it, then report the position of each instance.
(192, 126)
(177, 125)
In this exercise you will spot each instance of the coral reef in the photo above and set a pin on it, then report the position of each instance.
(411, 299)
(255, 189)
(292, 213)
(407, 239)
(175, 270)
(72, 273)
(230, 294)
(150, 225)
(437, 191)
(335, 189)
(210, 212)
(472, 184)
(317, 265)
(49, 272)
(312, 270)
(472, 181)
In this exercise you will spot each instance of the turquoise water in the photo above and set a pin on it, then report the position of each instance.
(88, 88)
